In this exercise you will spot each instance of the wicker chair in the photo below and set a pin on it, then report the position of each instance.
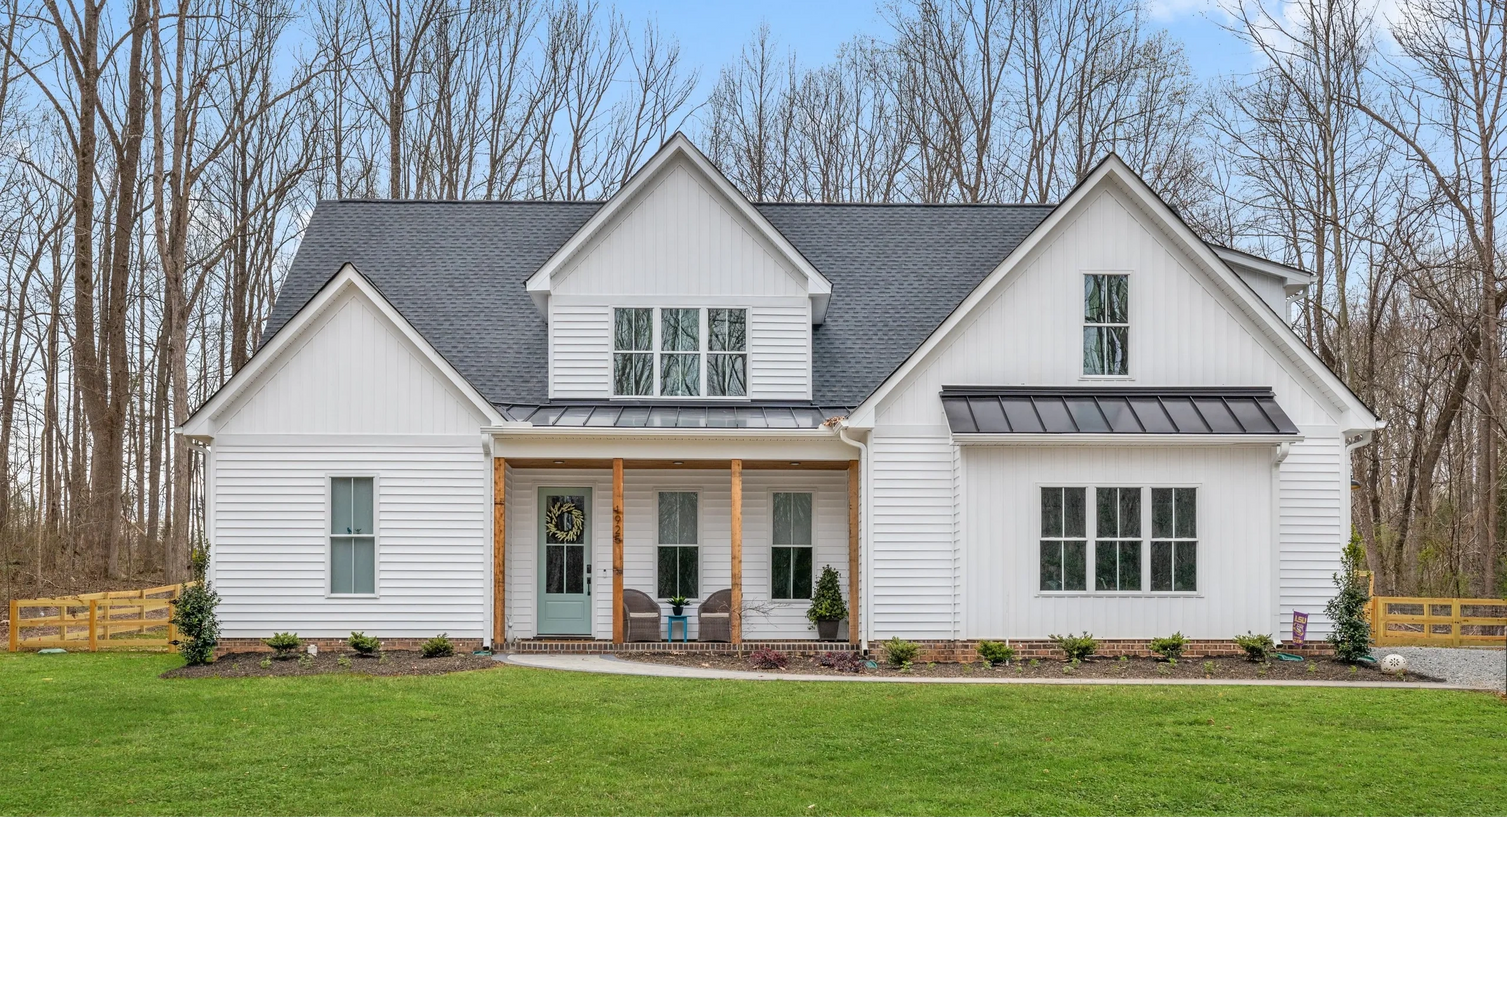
(714, 618)
(641, 615)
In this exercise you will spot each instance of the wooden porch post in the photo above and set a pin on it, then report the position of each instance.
(618, 635)
(735, 616)
(499, 553)
(853, 632)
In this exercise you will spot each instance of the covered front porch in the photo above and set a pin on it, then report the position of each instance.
(589, 549)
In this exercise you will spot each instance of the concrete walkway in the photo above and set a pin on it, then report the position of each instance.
(581, 663)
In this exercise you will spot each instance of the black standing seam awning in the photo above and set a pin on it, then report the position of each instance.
(1107, 410)
(667, 413)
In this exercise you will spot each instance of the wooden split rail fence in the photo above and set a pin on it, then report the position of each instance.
(1436, 621)
(111, 619)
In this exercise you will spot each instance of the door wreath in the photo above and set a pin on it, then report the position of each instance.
(564, 520)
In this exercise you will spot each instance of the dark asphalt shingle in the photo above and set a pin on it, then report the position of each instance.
(456, 271)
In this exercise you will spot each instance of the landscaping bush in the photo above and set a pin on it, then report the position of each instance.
(198, 628)
(1347, 608)
(994, 653)
(440, 645)
(283, 643)
(827, 604)
(198, 562)
(900, 652)
(1077, 647)
(364, 645)
(768, 659)
(848, 663)
(1258, 648)
(1169, 647)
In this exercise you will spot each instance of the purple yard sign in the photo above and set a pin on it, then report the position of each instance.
(1299, 626)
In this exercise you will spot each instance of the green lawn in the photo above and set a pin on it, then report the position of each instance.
(102, 734)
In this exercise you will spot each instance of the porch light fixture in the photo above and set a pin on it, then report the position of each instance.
(559, 461)
(677, 463)
(795, 463)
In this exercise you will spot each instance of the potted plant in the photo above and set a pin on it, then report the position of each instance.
(827, 606)
(677, 605)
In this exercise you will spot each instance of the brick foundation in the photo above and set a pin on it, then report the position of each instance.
(932, 650)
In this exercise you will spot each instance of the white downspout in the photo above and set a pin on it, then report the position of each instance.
(1279, 456)
(865, 560)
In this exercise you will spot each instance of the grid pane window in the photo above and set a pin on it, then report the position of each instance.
(680, 352)
(1064, 538)
(1174, 539)
(633, 352)
(727, 352)
(790, 553)
(679, 572)
(1117, 546)
(353, 542)
(1106, 324)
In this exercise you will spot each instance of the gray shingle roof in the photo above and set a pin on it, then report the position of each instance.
(456, 271)
(1109, 410)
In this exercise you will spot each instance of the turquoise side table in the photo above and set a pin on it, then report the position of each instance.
(685, 628)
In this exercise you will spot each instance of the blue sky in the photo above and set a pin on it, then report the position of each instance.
(711, 34)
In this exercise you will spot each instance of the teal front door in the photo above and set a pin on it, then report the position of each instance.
(565, 561)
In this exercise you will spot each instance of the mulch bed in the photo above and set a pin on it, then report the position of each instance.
(397, 662)
(1223, 668)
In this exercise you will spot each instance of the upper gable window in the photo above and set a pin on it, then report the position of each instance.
(661, 352)
(1106, 324)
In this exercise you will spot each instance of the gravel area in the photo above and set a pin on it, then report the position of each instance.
(1477, 667)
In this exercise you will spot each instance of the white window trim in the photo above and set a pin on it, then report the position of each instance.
(703, 351)
(1130, 326)
(1090, 526)
(803, 602)
(1198, 514)
(329, 536)
(699, 545)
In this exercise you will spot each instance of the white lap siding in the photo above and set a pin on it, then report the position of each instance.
(1000, 550)
(271, 543)
(1315, 495)
(915, 584)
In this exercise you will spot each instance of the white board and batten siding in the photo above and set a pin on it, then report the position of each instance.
(1002, 525)
(352, 398)
(765, 618)
(680, 246)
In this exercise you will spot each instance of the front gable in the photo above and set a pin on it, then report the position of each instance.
(347, 364)
(678, 237)
(1193, 320)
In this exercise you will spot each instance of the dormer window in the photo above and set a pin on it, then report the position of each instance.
(1106, 324)
(661, 352)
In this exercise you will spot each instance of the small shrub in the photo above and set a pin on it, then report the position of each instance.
(1169, 647)
(283, 644)
(198, 562)
(1347, 608)
(198, 628)
(343, 662)
(364, 645)
(1208, 668)
(1077, 647)
(440, 645)
(1258, 648)
(768, 659)
(900, 652)
(266, 663)
(848, 663)
(1069, 667)
(994, 653)
(827, 604)
(1163, 669)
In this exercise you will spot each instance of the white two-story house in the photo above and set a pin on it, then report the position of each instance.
(517, 420)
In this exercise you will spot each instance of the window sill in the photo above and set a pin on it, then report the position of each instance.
(1106, 378)
(351, 597)
(1119, 593)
